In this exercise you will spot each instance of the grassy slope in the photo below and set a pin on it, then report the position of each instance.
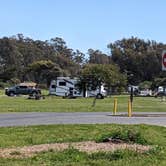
(20, 136)
(55, 104)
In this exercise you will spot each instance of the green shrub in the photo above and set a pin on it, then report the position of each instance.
(128, 135)
(4, 84)
(14, 81)
(42, 86)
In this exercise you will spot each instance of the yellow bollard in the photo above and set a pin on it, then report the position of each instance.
(129, 109)
(115, 107)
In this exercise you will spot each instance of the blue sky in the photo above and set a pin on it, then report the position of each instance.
(84, 24)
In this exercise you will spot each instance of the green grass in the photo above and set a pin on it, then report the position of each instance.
(57, 104)
(32, 135)
(21, 136)
(72, 157)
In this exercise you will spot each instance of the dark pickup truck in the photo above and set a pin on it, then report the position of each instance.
(22, 90)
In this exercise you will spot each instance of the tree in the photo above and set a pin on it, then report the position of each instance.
(159, 82)
(9, 59)
(97, 57)
(138, 58)
(145, 85)
(93, 75)
(18, 53)
(60, 47)
(79, 57)
(44, 70)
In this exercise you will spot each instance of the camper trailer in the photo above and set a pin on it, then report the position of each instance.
(66, 86)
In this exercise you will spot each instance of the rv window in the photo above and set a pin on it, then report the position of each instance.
(53, 86)
(62, 83)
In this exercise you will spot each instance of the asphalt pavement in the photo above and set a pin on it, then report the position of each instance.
(45, 118)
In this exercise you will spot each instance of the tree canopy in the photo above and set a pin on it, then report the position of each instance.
(139, 59)
(131, 61)
(94, 75)
(22, 58)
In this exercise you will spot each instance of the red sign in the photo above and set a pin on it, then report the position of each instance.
(164, 60)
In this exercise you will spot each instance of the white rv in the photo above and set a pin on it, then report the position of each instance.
(66, 86)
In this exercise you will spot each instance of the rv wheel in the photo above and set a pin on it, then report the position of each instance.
(100, 96)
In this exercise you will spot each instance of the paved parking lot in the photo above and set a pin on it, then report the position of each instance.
(37, 118)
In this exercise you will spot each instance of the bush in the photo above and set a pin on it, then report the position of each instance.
(42, 86)
(145, 85)
(128, 135)
(15, 81)
(4, 85)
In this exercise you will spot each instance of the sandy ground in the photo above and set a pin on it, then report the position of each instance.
(89, 147)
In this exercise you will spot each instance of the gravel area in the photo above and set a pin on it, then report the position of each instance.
(89, 147)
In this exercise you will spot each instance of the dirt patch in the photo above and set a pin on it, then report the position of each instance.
(89, 147)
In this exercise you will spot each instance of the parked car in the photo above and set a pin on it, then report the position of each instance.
(22, 90)
(160, 94)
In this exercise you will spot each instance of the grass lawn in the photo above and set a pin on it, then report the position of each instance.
(34, 135)
(21, 136)
(57, 104)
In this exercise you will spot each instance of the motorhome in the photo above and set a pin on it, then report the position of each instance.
(66, 86)
(161, 91)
